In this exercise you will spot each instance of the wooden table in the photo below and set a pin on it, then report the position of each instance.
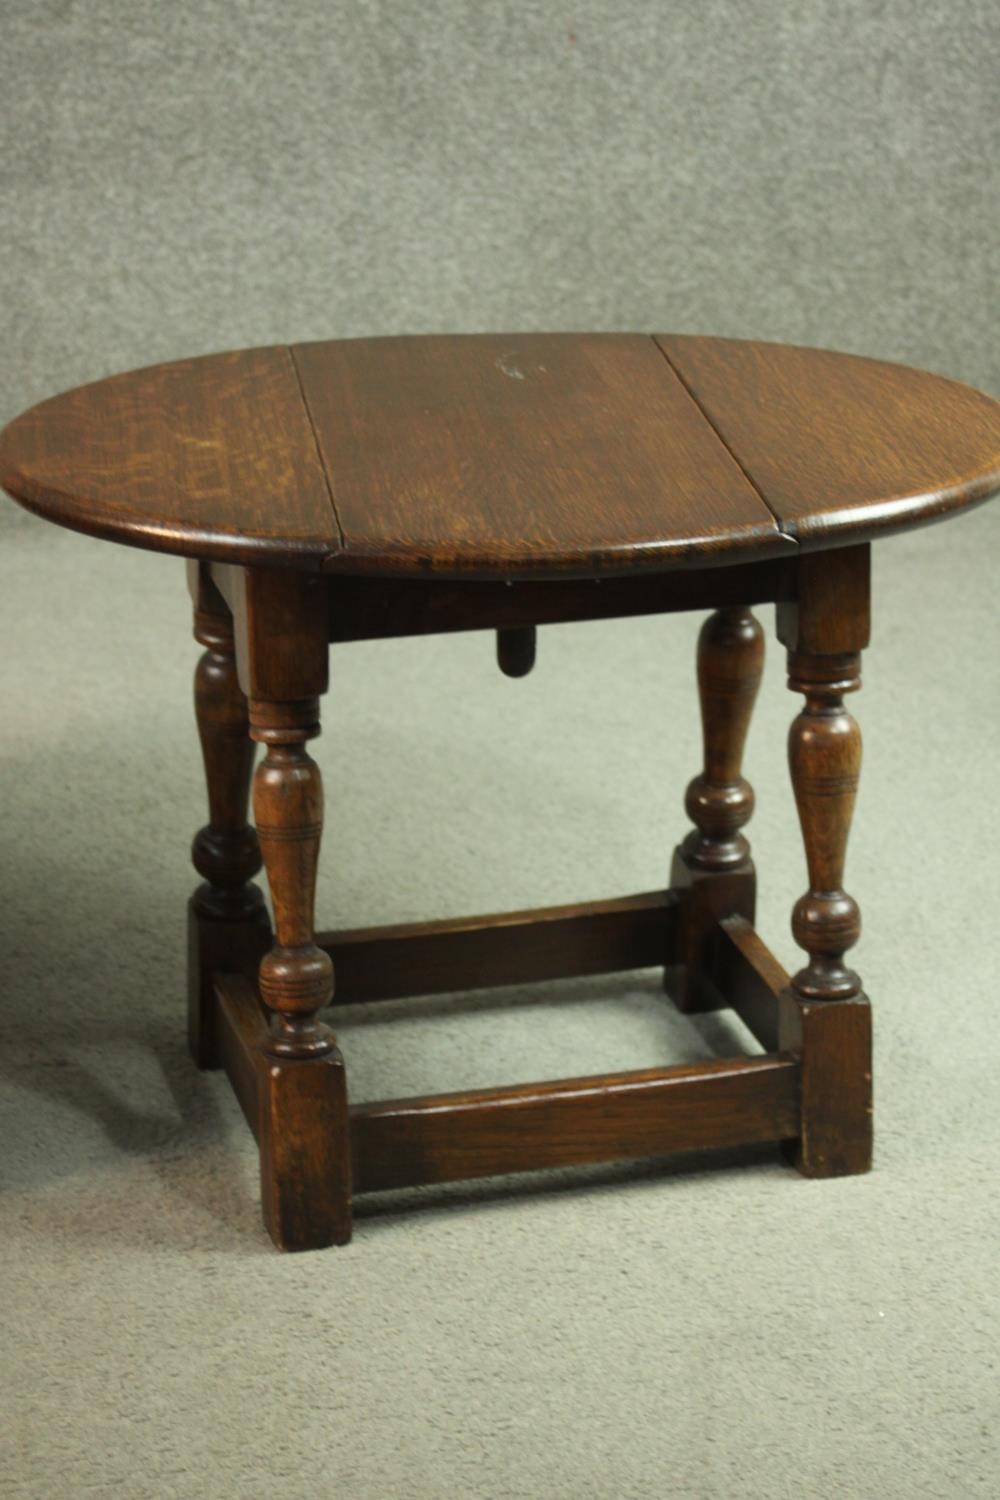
(369, 488)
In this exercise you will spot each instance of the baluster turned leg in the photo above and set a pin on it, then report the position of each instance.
(304, 1125)
(296, 977)
(228, 927)
(824, 758)
(825, 1016)
(305, 1165)
(713, 864)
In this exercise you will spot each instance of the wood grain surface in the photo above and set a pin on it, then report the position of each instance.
(211, 458)
(514, 457)
(570, 1121)
(523, 455)
(843, 448)
(521, 947)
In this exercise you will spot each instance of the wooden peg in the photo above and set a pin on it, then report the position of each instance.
(516, 650)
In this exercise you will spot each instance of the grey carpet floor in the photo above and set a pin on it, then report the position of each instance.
(654, 1330)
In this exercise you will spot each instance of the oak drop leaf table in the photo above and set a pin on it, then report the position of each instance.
(371, 488)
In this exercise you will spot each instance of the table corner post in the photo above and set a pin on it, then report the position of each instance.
(825, 1016)
(283, 650)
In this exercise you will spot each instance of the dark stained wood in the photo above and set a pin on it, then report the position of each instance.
(824, 757)
(505, 456)
(282, 659)
(305, 1155)
(218, 944)
(523, 947)
(228, 926)
(713, 866)
(706, 897)
(296, 977)
(833, 1042)
(298, 1111)
(749, 977)
(508, 481)
(380, 608)
(516, 648)
(282, 656)
(825, 1018)
(523, 455)
(210, 457)
(827, 609)
(825, 632)
(280, 625)
(226, 852)
(720, 800)
(843, 448)
(444, 1137)
(243, 1034)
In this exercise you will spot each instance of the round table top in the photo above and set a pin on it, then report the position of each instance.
(514, 456)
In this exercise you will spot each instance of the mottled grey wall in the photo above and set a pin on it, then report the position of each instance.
(181, 176)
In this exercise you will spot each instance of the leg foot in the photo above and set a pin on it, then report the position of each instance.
(834, 1042)
(305, 1152)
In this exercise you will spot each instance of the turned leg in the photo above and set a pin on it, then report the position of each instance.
(825, 1016)
(305, 1174)
(296, 977)
(282, 649)
(228, 928)
(824, 758)
(713, 865)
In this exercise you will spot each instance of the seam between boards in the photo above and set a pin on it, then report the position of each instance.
(319, 453)
(787, 529)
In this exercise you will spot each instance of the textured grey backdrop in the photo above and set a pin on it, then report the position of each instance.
(191, 176)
